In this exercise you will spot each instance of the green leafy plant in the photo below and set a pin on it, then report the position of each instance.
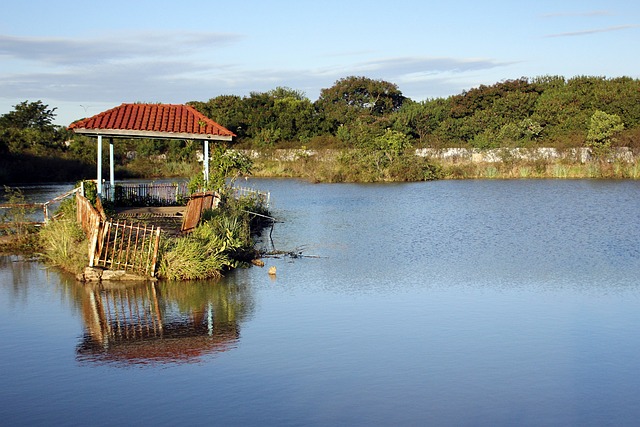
(223, 164)
(603, 129)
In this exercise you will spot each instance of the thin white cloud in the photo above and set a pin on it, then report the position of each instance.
(68, 52)
(409, 65)
(593, 31)
(577, 14)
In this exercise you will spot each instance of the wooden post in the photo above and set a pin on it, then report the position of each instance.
(156, 246)
(93, 243)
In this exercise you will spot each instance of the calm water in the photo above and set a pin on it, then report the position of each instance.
(443, 303)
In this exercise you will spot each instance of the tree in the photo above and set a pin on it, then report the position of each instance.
(294, 116)
(602, 131)
(352, 97)
(29, 115)
(228, 110)
(29, 127)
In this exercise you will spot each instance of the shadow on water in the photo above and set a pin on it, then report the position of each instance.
(160, 323)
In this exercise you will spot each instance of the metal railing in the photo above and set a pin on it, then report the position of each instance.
(128, 246)
(146, 193)
(263, 196)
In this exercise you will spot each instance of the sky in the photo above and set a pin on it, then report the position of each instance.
(84, 57)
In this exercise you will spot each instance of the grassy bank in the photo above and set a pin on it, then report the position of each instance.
(541, 169)
(358, 166)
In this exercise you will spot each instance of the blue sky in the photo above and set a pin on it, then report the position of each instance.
(84, 57)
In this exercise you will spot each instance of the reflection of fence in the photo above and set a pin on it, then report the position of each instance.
(118, 245)
(147, 194)
(140, 324)
(127, 313)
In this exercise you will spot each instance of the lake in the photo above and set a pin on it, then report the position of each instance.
(443, 303)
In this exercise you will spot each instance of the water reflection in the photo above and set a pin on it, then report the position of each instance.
(156, 323)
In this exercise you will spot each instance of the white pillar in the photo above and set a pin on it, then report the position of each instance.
(111, 171)
(99, 183)
(206, 161)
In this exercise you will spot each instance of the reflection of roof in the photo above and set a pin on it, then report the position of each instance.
(153, 121)
(176, 345)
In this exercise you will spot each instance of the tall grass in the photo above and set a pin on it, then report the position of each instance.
(63, 244)
(190, 258)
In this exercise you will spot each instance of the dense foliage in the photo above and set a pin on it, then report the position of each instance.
(548, 110)
(356, 112)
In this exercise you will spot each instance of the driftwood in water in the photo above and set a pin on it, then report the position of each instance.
(297, 253)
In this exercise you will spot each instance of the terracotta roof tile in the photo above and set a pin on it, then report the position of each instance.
(140, 119)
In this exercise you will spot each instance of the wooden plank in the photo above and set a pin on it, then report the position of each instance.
(155, 253)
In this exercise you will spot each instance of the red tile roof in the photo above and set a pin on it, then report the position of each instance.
(154, 121)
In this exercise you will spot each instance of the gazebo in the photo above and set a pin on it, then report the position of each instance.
(159, 121)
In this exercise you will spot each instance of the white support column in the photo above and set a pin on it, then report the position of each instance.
(111, 171)
(99, 177)
(206, 161)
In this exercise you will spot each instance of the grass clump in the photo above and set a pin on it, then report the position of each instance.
(192, 257)
(62, 243)
(222, 241)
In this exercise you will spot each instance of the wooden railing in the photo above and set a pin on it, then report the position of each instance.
(88, 217)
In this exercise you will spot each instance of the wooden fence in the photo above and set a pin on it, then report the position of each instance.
(118, 245)
(198, 203)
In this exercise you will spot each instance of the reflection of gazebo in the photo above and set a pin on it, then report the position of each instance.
(137, 325)
(155, 121)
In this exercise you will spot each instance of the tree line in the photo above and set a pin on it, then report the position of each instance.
(547, 110)
(360, 112)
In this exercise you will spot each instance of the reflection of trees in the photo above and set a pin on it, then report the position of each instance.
(161, 322)
(17, 268)
(18, 273)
